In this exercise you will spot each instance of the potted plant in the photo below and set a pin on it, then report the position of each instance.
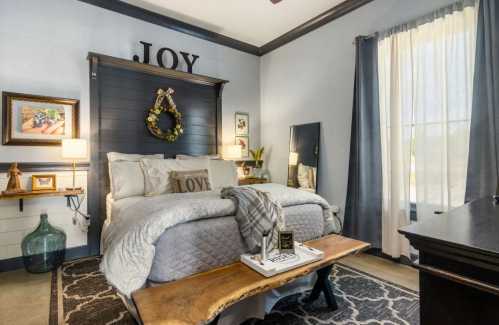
(257, 156)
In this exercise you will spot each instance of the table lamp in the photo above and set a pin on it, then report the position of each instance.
(233, 152)
(74, 149)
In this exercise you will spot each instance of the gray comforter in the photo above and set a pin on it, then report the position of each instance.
(130, 239)
(202, 245)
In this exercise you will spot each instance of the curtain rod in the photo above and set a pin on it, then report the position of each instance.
(459, 5)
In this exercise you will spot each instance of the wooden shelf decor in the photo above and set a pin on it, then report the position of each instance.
(40, 194)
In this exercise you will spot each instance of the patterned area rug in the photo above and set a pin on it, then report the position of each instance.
(81, 295)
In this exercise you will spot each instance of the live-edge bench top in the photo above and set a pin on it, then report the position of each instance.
(200, 298)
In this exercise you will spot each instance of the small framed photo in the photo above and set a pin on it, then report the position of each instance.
(242, 124)
(244, 143)
(43, 183)
(286, 242)
(31, 120)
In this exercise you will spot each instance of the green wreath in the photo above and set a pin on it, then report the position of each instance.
(152, 120)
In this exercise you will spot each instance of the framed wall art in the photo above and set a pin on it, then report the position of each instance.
(43, 183)
(31, 120)
(242, 124)
(244, 143)
(286, 242)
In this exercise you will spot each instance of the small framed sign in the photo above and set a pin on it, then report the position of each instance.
(43, 183)
(286, 242)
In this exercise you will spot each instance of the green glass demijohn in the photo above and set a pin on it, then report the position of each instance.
(44, 248)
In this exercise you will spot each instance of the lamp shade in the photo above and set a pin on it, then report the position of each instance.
(293, 158)
(74, 149)
(233, 152)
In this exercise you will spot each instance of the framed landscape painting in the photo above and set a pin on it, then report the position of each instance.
(30, 120)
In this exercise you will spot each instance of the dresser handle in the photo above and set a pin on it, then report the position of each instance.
(459, 279)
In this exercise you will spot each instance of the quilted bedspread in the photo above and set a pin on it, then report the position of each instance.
(130, 239)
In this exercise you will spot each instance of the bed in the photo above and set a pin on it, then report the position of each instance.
(149, 240)
(161, 238)
(156, 234)
(200, 245)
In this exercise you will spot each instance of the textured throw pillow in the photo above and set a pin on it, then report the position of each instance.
(126, 178)
(223, 173)
(187, 157)
(118, 156)
(157, 173)
(190, 181)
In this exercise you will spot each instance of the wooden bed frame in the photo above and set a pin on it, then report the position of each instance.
(121, 93)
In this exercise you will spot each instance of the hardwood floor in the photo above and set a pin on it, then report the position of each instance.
(25, 297)
(397, 273)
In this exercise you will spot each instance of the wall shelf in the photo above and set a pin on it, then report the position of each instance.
(40, 194)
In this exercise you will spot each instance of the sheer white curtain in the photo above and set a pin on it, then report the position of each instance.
(426, 81)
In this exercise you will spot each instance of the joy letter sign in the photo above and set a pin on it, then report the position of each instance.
(162, 54)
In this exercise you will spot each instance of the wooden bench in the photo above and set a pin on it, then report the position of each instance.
(199, 299)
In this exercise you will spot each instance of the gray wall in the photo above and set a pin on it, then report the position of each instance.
(43, 50)
(311, 80)
(44, 45)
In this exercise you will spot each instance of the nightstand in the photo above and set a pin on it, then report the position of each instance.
(252, 180)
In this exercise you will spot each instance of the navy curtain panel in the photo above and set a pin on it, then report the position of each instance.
(482, 178)
(364, 194)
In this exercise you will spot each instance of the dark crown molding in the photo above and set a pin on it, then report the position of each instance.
(336, 12)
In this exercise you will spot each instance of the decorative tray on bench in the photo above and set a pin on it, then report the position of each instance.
(278, 263)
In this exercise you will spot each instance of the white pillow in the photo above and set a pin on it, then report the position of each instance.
(157, 172)
(223, 173)
(187, 157)
(126, 177)
(117, 156)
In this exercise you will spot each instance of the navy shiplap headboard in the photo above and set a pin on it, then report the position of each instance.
(121, 93)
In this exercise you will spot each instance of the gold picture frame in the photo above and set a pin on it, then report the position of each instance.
(44, 182)
(32, 120)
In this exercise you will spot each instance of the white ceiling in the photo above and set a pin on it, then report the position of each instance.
(252, 21)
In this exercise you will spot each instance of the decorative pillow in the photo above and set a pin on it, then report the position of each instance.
(126, 178)
(223, 173)
(117, 156)
(157, 172)
(190, 181)
(187, 157)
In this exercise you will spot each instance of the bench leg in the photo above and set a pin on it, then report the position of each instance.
(323, 285)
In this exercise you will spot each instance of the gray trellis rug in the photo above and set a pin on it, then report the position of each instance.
(81, 295)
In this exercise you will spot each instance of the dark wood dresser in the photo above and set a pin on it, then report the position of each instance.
(459, 264)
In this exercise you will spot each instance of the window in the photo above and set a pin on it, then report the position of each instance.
(425, 83)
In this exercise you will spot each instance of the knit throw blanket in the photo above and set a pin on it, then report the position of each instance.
(257, 215)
